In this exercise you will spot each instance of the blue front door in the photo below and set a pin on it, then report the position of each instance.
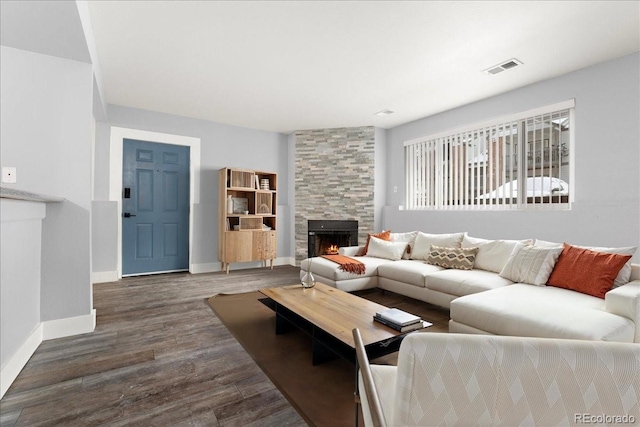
(155, 207)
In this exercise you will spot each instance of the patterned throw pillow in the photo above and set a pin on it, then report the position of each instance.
(458, 258)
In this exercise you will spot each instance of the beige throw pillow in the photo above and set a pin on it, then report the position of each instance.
(458, 258)
(530, 264)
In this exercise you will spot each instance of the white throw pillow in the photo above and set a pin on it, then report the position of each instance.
(546, 244)
(424, 242)
(530, 264)
(492, 254)
(624, 275)
(379, 248)
(409, 238)
(473, 242)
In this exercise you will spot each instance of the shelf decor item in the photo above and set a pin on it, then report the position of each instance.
(308, 281)
(229, 204)
(240, 204)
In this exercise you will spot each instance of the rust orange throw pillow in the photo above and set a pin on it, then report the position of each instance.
(384, 235)
(586, 271)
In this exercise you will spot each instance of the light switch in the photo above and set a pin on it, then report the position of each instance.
(8, 175)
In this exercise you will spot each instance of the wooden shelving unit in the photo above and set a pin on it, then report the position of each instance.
(247, 230)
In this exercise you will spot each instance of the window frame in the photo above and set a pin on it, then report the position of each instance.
(431, 151)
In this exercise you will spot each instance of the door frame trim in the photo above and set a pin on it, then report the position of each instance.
(118, 135)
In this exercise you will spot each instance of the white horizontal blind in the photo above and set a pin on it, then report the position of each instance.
(521, 162)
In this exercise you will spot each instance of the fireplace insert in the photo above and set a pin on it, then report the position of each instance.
(326, 236)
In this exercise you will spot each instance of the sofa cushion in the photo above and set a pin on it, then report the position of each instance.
(385, 249)
(409, 238)
(464, 282)
(407, 271)
(331, 270)
(541, 311)
(458, 258)
(530, 264)
(424, 241)
(492, 254)
(587, 271)
(384, 235)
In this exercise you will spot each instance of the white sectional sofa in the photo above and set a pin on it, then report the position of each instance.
(482, 301)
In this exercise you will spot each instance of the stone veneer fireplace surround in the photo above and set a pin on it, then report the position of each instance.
(334, 180)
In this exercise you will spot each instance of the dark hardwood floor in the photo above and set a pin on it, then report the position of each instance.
(160, 357)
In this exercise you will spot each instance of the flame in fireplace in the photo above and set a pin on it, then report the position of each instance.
(333, 250)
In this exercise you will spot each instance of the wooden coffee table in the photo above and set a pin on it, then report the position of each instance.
(329, 315)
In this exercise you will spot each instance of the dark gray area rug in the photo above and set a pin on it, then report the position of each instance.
(322, 394)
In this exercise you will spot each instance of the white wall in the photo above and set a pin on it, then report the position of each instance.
(45, 128)
(606, 211)
(221, 146)
(46, 134)
(46, 123)
(20, 274)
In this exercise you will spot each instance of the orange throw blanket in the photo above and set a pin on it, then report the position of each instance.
(347, 264)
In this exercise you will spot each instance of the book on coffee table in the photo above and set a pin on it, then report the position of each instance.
(398, 317)
(411, 327)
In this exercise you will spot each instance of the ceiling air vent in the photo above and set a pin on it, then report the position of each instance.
(511, 63)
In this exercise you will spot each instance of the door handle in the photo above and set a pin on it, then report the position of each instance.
(127, 215)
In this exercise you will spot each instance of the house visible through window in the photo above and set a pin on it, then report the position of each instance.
(516, 162)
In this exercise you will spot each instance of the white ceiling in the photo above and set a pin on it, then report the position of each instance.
(292, 65)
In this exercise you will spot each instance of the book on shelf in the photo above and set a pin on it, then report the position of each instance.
(398, 317)
(413, 326)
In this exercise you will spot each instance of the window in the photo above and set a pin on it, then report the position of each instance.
(516, 162)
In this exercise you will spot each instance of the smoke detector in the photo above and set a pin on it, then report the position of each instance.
(384, 112)
(507, 65)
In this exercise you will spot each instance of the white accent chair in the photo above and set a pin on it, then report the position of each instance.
(465, 380)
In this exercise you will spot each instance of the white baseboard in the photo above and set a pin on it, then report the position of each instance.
(285, 261)
(10, 371)
(104, 276)
(214, 267)
(60, 328)
(208, 267)
(47, 330)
